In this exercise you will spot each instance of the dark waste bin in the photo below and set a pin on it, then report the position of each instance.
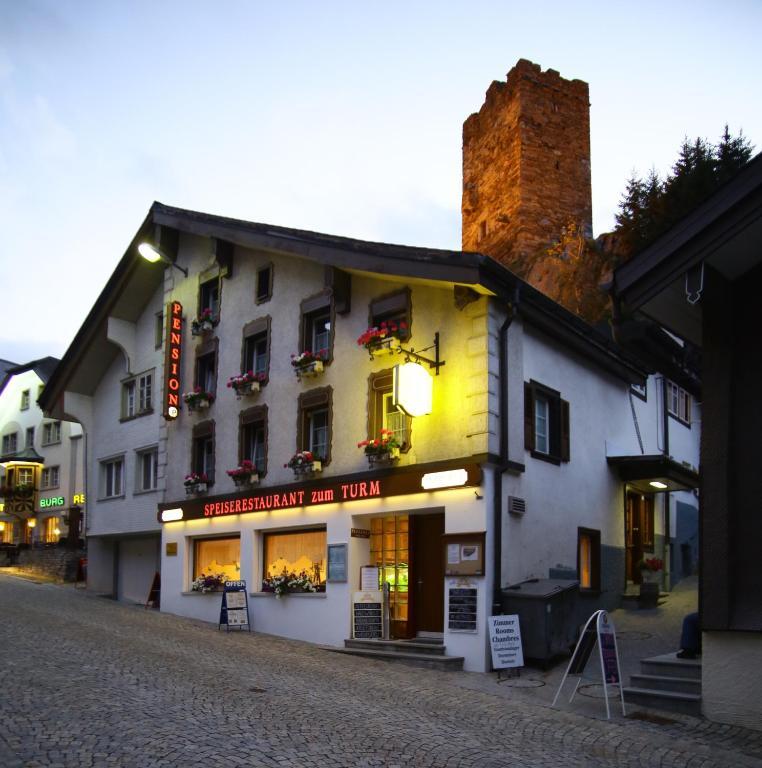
(547, 611)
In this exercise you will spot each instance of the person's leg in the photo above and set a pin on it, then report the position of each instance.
(690, 642)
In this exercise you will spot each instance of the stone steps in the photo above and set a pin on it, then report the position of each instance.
(667, 683)
(419, 652)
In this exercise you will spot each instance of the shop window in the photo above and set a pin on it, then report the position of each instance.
(679, 403)
(316, 327)
(112, 478)
(546, 423)
(383, 414)
(10, 444)
(393, 308)
(203, 450)
(158, 331)
(137, 395)
(51, 530)
(147, 466)
(252, 434)
(8, 531)
(296, 552)
(264, 288)
(51, 433)
(314, 425)
(206, 367)
(50, 477)
(29, 442)
(209, 297)
(25, 399)
(217, 557)
(256, 347)
(589, 558)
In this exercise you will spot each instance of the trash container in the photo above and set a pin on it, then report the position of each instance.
(547, 610)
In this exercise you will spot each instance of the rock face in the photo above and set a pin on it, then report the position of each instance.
(527, 198)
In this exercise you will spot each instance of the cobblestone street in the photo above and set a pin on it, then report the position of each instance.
(89, 682)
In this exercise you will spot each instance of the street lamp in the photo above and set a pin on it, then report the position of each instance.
(152, 253)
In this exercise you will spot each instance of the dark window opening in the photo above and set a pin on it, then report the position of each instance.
(264, 289)
(546, 423)
(209, 297)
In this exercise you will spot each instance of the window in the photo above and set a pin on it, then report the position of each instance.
(256, 347)
(51, 433)
(8, 531)
(206, 366)
(147, 466)
(209, 297)
(137, 396)
(25, 400)
(393, 308)
(640, 390)
(253, 437)
(51, 530)
(10, 444)
(29, 443)
(158, 330)
(295, 552)
(316, 333)
(314, 425)
(383, 414)
(202, 451)
(546, 423)
(50, 477)
(217, 557)
(589, 558)
(112, 477)
(25, 476)
(264, 289)
(679, 403)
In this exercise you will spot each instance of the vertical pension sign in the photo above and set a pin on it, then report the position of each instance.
(172, 358)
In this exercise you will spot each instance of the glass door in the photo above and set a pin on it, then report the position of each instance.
(389, 550)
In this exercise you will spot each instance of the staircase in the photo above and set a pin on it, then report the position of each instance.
(668, 683)
(417, 652)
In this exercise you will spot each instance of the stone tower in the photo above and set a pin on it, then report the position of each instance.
(526, 171)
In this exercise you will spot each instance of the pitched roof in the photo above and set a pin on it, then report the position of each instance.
(43, 367)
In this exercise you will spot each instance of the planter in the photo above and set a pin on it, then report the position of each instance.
(308, 468)
(245, 390)
(382, 347)
(649, 595)
(200, 328)
(199, 405)
(315, 368)
(242, 481)
(383, 458)
(650, 577)
(195, 488)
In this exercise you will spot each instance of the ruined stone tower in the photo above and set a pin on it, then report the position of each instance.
(526, 172)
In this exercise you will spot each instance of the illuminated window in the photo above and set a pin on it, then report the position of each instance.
(217, 557)
(679, 403)
(51, 433)
(253, 437)
(383, 414)
(316, 333)
(589, 558)
(25, 476)
(264, 284)
(203, 449)
(546, 423)
(51, 530)
(10, 444)
(147, 466)
(50, 477)
(25, 398)
(8, 531)
(112, 478)
(295, 552)
(314, 425)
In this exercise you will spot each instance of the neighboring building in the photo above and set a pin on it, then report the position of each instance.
(42, 461)
(700, 280)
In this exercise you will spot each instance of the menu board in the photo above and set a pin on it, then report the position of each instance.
(368, 615)
(461, 613)
(505, 642)
(234, 610)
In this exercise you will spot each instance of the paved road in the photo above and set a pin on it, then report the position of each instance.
(89, 682)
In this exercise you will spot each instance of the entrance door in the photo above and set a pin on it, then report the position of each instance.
(639, 531)
(427, 572)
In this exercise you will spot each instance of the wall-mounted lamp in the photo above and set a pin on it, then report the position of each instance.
(31, 522)
(412, 388)
(451, 478)
(152, 253)
(171, 515)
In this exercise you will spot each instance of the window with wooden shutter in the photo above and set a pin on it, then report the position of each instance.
(252, 437)
(546, 423)
(313, 432)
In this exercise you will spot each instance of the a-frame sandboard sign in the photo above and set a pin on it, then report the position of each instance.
(234, 610)
(600, 628)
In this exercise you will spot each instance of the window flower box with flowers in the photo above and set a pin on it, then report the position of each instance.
(198, 399)
(308, 364)
(196, 483)
(248, 383)
(650, 569)
(208, 583)
(650, 578)
(383, 450)
(290, 583)
(304, 463)
(244, 474)
(384, 338)
(204, 323)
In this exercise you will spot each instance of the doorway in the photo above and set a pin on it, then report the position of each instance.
(639, 531)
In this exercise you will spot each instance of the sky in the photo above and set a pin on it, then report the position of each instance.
(338, 117)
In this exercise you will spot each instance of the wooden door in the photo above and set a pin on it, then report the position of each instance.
(427, 572)
(639, 531)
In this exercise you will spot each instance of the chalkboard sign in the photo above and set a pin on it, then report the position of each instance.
(461, 614)
(234, 610)
(368, 616)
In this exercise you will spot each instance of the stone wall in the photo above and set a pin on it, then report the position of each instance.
(55, 562)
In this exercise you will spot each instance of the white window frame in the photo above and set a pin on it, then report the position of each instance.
(318, 447)
(679, 403)
(51, 433)
(26, 399)
(137, 395)
(112, 477)
(51, 477)
(152, 455)
(10, 443)
(541, 424)
(29, 434)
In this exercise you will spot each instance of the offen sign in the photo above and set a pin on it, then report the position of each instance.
(172, 359)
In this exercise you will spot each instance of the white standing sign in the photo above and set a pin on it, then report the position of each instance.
(505, 642)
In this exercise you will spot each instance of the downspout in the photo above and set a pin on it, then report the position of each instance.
(503, 463)
(665, 508)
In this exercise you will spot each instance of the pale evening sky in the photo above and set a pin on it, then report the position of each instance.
(340, 117)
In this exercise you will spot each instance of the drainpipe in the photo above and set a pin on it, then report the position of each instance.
(665, 508)
(497, 491)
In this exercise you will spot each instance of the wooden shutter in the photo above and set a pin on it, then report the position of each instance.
(528, 417)
(565, 441)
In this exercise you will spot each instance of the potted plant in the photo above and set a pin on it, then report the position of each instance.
(204, 322)
(247, 383)
(244, 474)
(208, 583)
(381, 450)
(650, 577)
(304, 463)
(196, 482)
(309, 363)
(286, 583)
(383, 338)
(198, 399)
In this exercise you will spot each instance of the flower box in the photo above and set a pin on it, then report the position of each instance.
(383, 458)
(242, 481)
(195, 488)
(204, 323)
(315, 368)
(387, 346)
(384, 338)
(244, 390)
(247, 383)
(308, 468)
(307, 364)
(198, 400)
